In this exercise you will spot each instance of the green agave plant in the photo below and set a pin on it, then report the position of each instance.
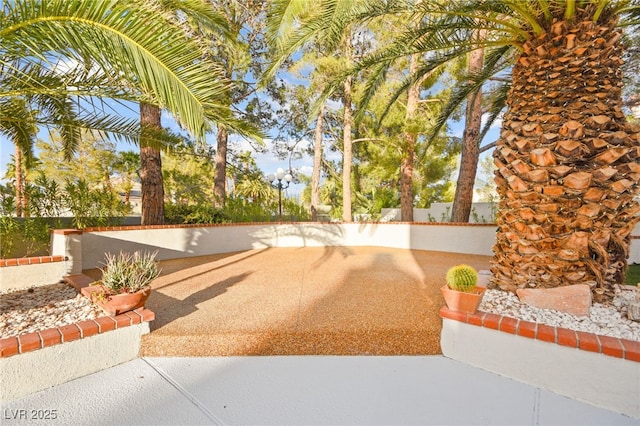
(129, 272)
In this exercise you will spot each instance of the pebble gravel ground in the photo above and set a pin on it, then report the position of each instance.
(55, 305)
(605, 320)
(39, 308)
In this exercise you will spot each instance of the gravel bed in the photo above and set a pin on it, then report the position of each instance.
(39, 308)
(604, 320)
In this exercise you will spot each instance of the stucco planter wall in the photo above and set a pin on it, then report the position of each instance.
(602, 371)
(185, 241)
(35, 361)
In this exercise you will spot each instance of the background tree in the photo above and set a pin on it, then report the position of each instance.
(470, 154)
(241, 51)
(127, 166)
(294, 24)
(93, 159)
(115, 50)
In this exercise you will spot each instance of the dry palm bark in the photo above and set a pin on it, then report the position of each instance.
(567, 164)
(347, 121)
(409, 146)
(317, 165)
(151, 170)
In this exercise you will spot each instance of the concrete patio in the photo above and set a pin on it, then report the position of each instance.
(302, 390)
(301, 301)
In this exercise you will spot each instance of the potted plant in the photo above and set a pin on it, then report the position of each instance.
(126, 282)
(461, 292)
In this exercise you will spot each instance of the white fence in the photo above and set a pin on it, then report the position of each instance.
(441, 212)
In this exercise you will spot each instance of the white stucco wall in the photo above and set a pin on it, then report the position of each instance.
(601, 380)
(86, 250)
(37, 370)
(174, 243)
(25, 276)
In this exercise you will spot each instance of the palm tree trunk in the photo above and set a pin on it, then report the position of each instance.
(317, 165)
(567, 164)
(220, 180)
(348, 153)
(463, 198)
(347, 157)
(17, 158)
(406, 165)
(151, 170)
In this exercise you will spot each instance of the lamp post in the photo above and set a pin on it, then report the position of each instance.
(276, 181)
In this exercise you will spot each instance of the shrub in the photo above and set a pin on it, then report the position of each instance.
(180, 213)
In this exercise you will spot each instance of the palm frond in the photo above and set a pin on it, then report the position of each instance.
(292, 24)
(495, 61)
(497, 103)
(17, 124)
(127, 40)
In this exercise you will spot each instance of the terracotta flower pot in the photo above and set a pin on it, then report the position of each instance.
(462, 301)
(115, 304)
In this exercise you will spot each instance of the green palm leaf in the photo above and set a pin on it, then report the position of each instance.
(143, 54)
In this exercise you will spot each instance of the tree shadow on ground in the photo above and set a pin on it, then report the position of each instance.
(169, 309)
(306, 301)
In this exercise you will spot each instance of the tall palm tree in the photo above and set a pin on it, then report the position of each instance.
(114, 50)
(19, 120)
(567, 160)
(22, 131)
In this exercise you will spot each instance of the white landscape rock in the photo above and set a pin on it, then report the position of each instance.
(604, 320)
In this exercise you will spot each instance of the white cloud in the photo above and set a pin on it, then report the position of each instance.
(333, 105)
(306, 170)
(497, 123)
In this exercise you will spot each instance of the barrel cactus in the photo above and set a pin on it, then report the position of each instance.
(462, 278)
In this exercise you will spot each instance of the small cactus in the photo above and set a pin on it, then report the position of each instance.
(462, 278)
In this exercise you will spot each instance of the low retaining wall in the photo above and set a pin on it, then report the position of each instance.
(32, 271)
(76, 250)
(602, 371)
(86, 249)
(35, 361)
(582, 367)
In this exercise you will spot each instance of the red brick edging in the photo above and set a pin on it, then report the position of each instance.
(36, 260)
(219, 225)
(54, 336)
(611, 346)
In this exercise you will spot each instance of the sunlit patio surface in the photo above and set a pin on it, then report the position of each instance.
(304, 301)
(301, 301)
